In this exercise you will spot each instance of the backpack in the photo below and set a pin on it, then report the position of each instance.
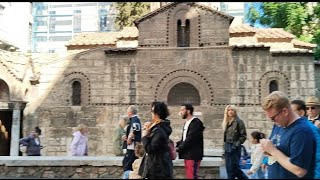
(172, 150)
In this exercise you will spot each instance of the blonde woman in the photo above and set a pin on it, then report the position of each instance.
(79, 144)
(234, 135)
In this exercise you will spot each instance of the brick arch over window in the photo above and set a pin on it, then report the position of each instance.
(4, 91)
(270, 78)
(191, 77)
(69, 84)
(183, 93)
(187, 12)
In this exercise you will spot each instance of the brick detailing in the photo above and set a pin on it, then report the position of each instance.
(177, 12)
(189, 76)
(10, 71)
(266, 78)
(85, 86)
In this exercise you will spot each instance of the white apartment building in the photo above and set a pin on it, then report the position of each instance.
(55, 23)
(15, 26)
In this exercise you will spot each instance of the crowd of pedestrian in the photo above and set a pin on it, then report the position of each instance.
(292, 150)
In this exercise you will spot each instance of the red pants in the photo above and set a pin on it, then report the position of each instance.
(192, 168)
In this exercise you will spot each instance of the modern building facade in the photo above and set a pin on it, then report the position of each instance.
(56, 23)
(15, 26)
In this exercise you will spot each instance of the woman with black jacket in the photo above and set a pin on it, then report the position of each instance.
(156, 163)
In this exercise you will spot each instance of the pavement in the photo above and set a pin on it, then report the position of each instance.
(223, 172)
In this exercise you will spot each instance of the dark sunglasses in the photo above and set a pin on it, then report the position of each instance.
(310, 108)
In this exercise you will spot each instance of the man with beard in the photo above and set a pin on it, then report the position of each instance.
(190, 147)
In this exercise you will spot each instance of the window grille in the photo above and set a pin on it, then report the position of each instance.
(76, 93)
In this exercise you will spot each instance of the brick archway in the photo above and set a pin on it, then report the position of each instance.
(85, 87)
(188, 76)
(264, 82)
(4, 91)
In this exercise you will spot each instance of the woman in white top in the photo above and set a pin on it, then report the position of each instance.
(257, 156)
(79, 144)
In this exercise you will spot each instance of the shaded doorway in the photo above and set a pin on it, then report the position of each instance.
(182, 93)
(5, 132)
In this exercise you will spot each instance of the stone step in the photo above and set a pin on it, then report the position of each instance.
(86, 160)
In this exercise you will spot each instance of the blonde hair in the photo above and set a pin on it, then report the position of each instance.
(124, 120)
(277, 100)
(226, 118)
(81, 127)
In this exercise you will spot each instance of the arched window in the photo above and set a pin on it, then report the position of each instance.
(273, 86)
(187, 34)
(4, 91)
(183, 33)
(76, 93)
(179, 34)
(183, 93)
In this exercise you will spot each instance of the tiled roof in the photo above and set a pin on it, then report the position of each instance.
(277, 39)
(261, 33)
(273, 33)
(291, 51)
(242, 36)
(249, 45)
(303, 44)
(94, 38)
(16, 63)
(243, 28)
(128, 32)
(103, 38)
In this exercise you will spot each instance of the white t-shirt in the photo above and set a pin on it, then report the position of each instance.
(185, 128)
(37, 141)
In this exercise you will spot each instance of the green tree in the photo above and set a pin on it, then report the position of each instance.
(128, 12)
(298, 18)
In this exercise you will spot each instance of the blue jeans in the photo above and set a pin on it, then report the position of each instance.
(126, 174)
(232, 158)
(258, 175)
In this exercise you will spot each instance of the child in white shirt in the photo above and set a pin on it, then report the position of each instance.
(255, 172)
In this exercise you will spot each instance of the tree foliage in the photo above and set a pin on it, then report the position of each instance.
(298, 18)
(128, 12)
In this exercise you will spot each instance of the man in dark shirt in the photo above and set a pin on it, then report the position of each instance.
(190, 147)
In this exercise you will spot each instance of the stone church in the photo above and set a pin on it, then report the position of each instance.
(179, 53)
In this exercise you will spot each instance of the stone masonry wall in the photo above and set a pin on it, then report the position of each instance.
(88, 167)
(90, 172)
(206, 28)
(112, 81)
